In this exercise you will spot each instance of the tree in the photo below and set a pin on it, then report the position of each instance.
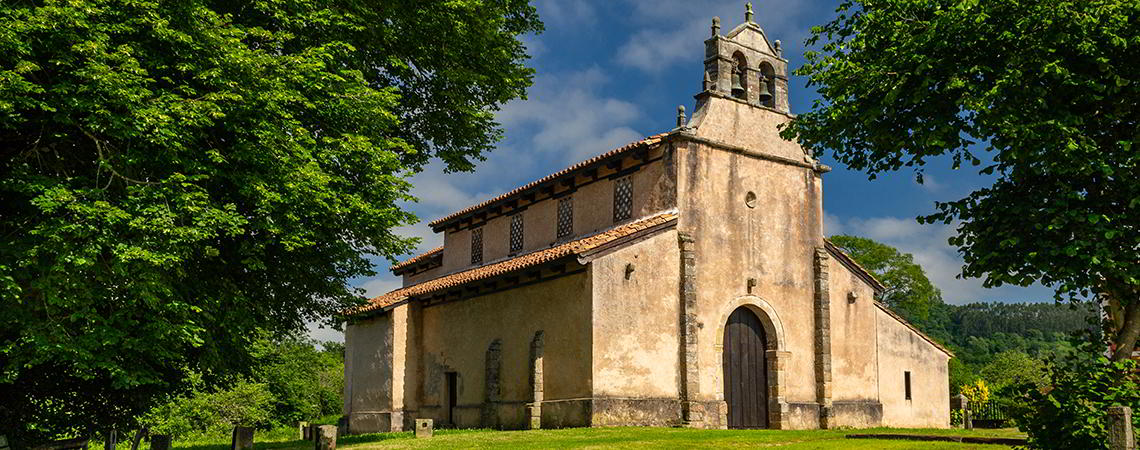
(1040, 95)
(908, 291)
(177, 177)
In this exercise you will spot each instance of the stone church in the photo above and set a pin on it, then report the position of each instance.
(680, 280)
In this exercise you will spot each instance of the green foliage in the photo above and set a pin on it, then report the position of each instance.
(908, 291)
(1071, 411)
(177, 176)
(1013, 368)
(1045, 102)
(213, 413)
(292, 380)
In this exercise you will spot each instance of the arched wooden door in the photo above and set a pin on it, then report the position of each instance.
(745, 370)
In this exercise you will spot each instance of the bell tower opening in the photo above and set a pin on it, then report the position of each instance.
(745, 65)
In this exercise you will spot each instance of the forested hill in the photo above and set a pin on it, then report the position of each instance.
(983, 336)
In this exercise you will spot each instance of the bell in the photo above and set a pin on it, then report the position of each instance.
(765, 95)
(737, 88)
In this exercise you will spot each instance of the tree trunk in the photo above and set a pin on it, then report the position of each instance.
(1127, 320)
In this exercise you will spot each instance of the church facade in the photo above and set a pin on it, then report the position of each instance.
(681, 280)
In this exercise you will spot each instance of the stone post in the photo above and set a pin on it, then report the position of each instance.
(424, 428)
(326, 437)
(302, 427)
(4, 442)
(960, 403)
(823, 337)
(693, 413)
(160, 442)
(1120, 435)
(242, 439)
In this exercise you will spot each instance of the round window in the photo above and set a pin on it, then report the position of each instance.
(750, 199)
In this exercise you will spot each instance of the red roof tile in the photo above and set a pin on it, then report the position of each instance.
(644, 143)
(531, 259)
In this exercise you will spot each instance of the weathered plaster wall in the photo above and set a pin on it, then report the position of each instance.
(855, 383)
(636, 333)
(772, 242)
(900, 349)
(740, 124)
(372, 366)
(455, 337)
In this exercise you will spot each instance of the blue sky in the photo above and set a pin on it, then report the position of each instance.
(613, 71)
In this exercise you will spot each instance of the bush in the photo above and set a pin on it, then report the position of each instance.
(1071, 410)
(215, 413)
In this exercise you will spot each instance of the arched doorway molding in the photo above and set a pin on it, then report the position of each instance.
(777, 355)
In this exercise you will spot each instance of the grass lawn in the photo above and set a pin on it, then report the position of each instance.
(630, 438)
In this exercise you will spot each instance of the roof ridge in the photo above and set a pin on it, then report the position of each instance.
(635, 144)
(414, 259)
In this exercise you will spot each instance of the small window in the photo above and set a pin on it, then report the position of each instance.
(623, 199)
(906, 382)
(516, 233)
(477, 246)
(565, 217)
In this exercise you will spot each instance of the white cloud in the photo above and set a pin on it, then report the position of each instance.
(567, 12)
(931, 249)
(676, 29)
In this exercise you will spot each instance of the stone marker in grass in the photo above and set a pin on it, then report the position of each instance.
(424, 428)
(326, 437)
(243, 439)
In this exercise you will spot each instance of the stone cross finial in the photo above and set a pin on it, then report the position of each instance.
(716, 26)
(680, 124)
(778, 47)
(748, 12)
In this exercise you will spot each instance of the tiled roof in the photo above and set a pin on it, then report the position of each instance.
(903, 321)
(854, 265)
(519, 262)
(644, 143)
(415, 259)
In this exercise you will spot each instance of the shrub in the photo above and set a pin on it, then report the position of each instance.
(1071, 410)
(215, 413)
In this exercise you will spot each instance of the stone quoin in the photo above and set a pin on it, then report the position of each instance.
(681, 280)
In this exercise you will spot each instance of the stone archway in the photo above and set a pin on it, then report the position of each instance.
(775, 356)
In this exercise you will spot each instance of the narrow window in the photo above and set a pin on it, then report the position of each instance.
(516, 233)
(477, 246)
(565, 217)
(906, 382)
(623, 199)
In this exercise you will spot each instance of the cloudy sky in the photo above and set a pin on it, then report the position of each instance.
(613, 71)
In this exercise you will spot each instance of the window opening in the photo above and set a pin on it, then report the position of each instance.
(477, 246)
(516, 233)
(623, 199)
(565, 217)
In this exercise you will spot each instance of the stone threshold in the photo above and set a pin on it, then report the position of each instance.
(941, 438)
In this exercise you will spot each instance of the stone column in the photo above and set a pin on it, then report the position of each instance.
(1120, 436)
(823, 337)
(492, 392)
(777, 406)
(534, 408)
(693, 413)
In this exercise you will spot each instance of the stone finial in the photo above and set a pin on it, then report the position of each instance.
(779, 47)
(680, 124)
(716, 26)
(706, 84)
(748, 12)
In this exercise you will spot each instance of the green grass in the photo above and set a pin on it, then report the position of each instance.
(623, 438)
